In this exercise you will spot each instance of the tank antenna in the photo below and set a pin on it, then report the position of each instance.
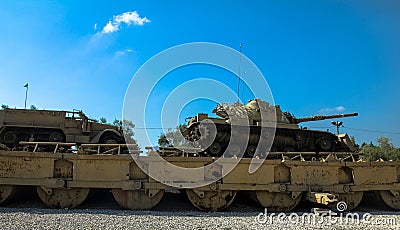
(242, 89)
(240, 63)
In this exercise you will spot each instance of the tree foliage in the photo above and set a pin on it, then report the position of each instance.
(353, 139)
(33, 107)
(4, 106)
(173, 137)
(127, 130)
(384, 150)
(103, 120)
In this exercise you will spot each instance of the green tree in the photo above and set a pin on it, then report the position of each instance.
(103, 120)
(127, 129)
(384, 143)
(33, 107)
(384, 150)
(4, 106)
(172, 137)
(353, 139)
(117, 122)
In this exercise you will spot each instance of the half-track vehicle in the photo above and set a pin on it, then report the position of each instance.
(288, 136)
(54, 126)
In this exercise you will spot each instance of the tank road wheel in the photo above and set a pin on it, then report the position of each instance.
(10, 138)
(391, 198)
(277, 201)
(215, 149)
(352, 200)
(211, 200)
(137, 199)
(326, 144)
(62, 197)
(7, 192)
(56, 137)
(251, 150)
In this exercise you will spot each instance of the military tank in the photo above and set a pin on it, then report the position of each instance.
(288, 135)
(54, 126)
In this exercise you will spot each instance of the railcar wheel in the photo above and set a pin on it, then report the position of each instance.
(392, 200)
(137, 199)
(7, 192)
(277, 201)
(211, 200)
(63, 197)
(352, 200)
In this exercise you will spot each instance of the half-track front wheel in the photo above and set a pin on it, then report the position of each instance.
(63, 197)
(278, 201)
(211, 200)
(137, 199)
(391, 198)
(111, 138)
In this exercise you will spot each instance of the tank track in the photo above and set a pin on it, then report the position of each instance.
(11, 136)
(65, 179)
(285, 140)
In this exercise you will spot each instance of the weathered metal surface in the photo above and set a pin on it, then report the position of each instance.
(27, 164)
(64, 179)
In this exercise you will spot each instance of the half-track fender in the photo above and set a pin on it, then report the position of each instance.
(98, 137)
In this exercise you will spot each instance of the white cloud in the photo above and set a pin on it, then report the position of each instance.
(127, 18)
(123, 52)
(332, 110)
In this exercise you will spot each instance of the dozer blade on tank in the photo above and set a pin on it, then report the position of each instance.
(288, 135)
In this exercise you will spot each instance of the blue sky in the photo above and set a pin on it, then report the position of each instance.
(317, 56)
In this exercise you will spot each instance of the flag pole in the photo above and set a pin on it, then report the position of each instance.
(26, 93)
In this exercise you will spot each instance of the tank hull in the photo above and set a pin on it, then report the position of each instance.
(282, 139)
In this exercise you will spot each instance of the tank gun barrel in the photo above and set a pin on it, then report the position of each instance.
(322, 117)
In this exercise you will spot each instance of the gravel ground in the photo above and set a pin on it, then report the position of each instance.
(175, 212)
